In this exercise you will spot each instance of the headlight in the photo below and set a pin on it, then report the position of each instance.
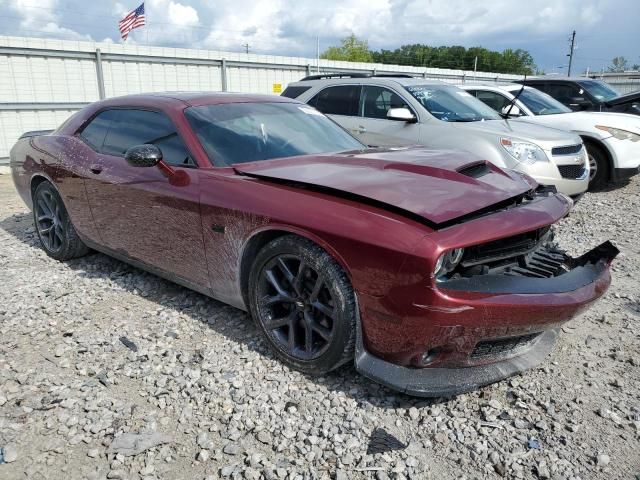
(448, 261)
(619, 133)
(523, 152)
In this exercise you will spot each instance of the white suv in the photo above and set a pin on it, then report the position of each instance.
(400, 110)
(612, 139)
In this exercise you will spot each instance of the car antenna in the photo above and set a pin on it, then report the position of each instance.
(515, 98)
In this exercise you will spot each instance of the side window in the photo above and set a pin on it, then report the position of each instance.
(95, 132)
(135, 127)
(294, 91)
(563, 93)
(338, 100)
(376, 101)
(492, 99)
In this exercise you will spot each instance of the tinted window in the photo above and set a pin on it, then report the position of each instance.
(294, 92)
(564, 92)
(135, 127)
(338, 100)
(95, 132)
(247, 132)
(376, 101)
(492, 99)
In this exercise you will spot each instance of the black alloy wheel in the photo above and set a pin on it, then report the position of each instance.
(300, 308)
(48, 221)
(304, 304)
(57, 235)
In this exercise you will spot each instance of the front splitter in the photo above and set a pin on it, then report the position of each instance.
(447, 382)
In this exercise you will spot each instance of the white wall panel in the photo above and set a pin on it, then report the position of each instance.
(38, 79)
(51, 76)
(14, 123)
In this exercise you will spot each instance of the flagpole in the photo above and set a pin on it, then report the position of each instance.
(146, 19)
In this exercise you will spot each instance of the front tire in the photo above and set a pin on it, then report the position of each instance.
(57, 235)
(304, 305)
(598, 167)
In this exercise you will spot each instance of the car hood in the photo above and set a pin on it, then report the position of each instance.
(587, 121)
(537, 134)
(439, 186)
(633, 97)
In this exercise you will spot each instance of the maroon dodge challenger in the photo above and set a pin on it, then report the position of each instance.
(434, 271)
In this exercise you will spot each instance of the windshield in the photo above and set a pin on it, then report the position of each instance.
(246, 132)
(599, 90)
(450, 104)
(540, 103)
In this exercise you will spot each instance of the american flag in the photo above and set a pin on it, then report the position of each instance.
(134, 19)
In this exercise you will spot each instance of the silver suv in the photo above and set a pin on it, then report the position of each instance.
(384, 110)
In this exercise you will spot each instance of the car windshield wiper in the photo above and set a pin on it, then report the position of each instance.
(514, 99)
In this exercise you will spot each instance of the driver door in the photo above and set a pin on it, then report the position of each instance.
(375, 128)
(137, 211)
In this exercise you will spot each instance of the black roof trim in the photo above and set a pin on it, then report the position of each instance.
(355, 75)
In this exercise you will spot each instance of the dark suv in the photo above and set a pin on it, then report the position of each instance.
(587, 94)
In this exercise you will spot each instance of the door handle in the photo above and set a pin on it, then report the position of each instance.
(361, 129)
(97, 169)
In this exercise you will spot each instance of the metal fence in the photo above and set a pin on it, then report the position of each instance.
(623, 82)
(44, 81)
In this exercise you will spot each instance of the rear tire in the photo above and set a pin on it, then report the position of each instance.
(304, 305)
(56, 233)
(599, 168)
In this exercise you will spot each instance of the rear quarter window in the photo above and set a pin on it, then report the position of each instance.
(294, 91)
(338, 100)
(96, 130)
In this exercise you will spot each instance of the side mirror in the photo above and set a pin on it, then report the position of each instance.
(515, 111)
(146, 155)
(402, 114)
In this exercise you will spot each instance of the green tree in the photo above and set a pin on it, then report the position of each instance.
(457, 57)
(351, 49)
(618, 64)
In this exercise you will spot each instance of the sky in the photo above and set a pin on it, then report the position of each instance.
(604, 28)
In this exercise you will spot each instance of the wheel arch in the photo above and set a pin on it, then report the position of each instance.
(588, 139)
(263, 236)
(35, 181)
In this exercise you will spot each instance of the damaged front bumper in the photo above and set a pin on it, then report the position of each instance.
(495, 326)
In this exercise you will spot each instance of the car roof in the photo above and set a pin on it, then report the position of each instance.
(501, 86)
(190, 99)
(554, 78)
(378, 80)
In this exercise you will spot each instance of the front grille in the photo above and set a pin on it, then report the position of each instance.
(571, 171)
(504, 248)
(566, 150)
(502, 345)
(543, 263)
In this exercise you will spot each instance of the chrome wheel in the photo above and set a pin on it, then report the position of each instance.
(297, 307)
(49, 221)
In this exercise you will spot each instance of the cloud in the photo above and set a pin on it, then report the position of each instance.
(289, 27)
(183, 14)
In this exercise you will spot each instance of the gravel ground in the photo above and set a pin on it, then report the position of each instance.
(110, 372)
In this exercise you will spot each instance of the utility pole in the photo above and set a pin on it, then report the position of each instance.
(246, 48)
(475, 67)
(570, 54)
(318, 54)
